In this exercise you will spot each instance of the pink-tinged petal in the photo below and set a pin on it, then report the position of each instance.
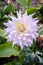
(19, 14)
(13, 18)
(24, 15)
(31, 16)
(20, 44)
(36, 21)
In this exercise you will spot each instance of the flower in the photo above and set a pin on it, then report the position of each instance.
(21, 30)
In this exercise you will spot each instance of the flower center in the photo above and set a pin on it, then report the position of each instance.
(21, 27)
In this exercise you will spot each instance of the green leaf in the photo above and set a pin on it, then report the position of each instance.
(40, 31)
(0, 15)
(6, 50)
(41, 10)
(40, 59)
(37, 53)
(32, 10)
(24, 3)
(4, 9)
(8, 9)
(15, 62)
(2, 40)
(2, 32)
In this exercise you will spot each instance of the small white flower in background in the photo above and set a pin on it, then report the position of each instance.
(22, 30)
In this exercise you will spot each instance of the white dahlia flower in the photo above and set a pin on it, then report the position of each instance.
(22, 30)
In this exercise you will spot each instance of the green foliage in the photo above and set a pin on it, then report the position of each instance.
(41, 10)
(40, 59)
(39, 13)
(2, 32)
(5, 10)
(30, 57)
(32, 10)
(40, 31)
(7, 50)
(2, 40)
(2, 36)
(24, 3)
(8, 9)
(15, 62)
